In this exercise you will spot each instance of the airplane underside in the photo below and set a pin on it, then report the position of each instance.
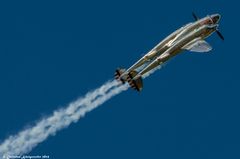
(190, 37)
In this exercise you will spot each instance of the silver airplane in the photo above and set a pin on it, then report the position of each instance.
(189, 37)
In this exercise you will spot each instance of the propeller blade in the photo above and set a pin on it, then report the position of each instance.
(195, 16)
(219, 34)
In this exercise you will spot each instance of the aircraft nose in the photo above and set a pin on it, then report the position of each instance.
(215, 18)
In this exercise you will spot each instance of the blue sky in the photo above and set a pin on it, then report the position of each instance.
(53, 52)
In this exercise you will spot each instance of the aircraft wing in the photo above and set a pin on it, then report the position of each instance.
(198, 45)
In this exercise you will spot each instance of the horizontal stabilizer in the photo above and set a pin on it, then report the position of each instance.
(135, 81)
(118, 74)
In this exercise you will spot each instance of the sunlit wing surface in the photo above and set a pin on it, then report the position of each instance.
(198, 45)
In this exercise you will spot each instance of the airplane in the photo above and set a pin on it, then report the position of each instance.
(189, 37)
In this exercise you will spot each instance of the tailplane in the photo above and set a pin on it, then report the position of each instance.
(135, 81)
(118, 74)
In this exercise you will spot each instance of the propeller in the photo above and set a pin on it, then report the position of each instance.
(195, 16)
(219, 34)
(217, 31)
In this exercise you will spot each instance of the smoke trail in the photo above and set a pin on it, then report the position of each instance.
(27, 139)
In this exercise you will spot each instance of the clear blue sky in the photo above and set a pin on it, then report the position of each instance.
(52, 52)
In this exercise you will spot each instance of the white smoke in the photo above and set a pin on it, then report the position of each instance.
(27, 139)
